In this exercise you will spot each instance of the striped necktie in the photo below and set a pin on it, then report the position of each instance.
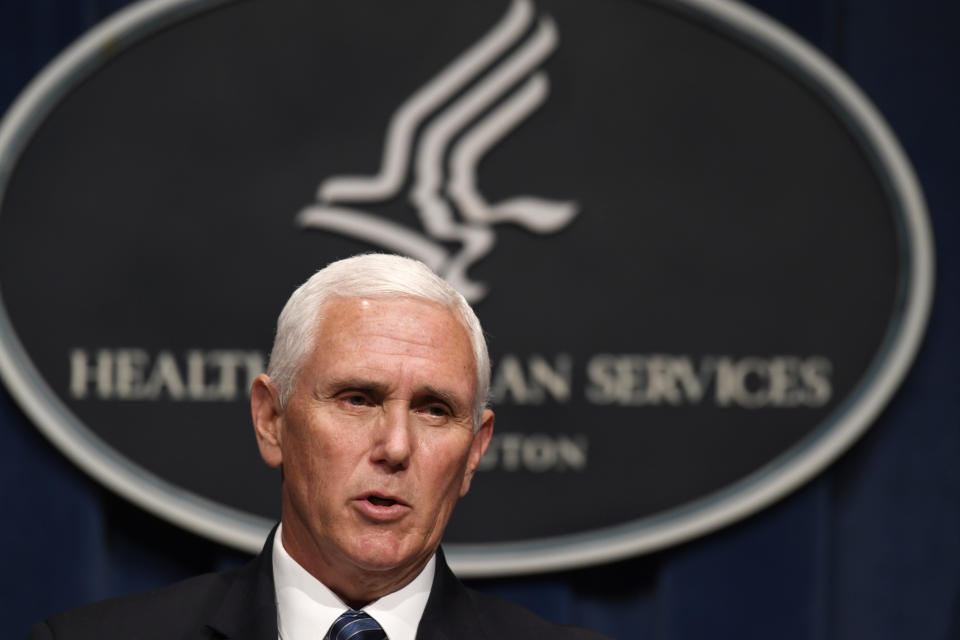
(355, 625)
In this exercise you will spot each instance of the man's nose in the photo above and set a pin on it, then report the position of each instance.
(394, 442)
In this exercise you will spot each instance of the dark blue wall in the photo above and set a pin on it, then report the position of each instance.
(870, 549)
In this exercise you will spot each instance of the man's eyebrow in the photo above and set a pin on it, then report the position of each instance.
(427, 393)
(356, 384)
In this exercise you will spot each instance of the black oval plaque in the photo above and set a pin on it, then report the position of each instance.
(702, 261)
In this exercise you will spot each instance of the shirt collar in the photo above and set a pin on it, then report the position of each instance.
(306, 607)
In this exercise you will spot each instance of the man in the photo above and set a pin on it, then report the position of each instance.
(374, 410)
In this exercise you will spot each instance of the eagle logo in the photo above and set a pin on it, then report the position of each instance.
(461, 113)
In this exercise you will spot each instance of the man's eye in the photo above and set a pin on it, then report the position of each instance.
(355, 400)
(437, 411)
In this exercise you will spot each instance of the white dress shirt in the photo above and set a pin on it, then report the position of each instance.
(306, 607)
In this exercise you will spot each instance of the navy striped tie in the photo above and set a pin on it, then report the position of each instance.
(355, 625)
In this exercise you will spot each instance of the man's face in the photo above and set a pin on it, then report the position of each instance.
(377, 440)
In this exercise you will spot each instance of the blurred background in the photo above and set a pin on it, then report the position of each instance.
(868, 549)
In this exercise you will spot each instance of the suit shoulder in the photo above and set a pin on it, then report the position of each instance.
(506, 619)
(173, 611)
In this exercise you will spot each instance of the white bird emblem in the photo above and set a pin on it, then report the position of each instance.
(516, 91)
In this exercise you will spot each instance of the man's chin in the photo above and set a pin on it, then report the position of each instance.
(380, 555)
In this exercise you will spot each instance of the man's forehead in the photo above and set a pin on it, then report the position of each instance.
(339, 313)
(402, 325)
(395, 360)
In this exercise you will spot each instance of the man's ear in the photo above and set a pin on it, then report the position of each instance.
(481, 440)
(267, 419)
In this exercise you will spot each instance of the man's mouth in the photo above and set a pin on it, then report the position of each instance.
(383, 500)
(382, 508)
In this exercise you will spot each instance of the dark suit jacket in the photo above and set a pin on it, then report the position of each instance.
(240, 604)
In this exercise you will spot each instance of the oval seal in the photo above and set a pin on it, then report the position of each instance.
(702, 260)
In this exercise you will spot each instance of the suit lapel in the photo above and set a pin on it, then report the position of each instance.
(449, 614)
(249, 609)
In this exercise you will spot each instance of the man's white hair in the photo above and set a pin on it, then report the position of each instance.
(372, 275)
